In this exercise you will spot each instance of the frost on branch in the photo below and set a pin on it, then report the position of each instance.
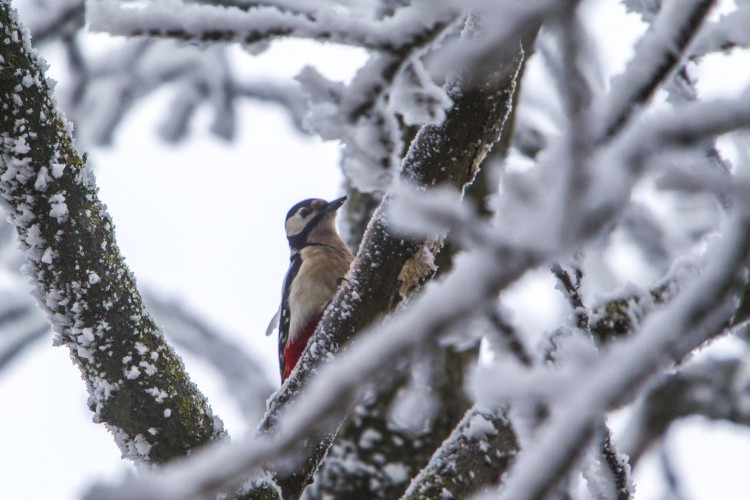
(241, 374)
(484, 444)
(575, 193)
(136, 383)
(715, 389)
(372, 285)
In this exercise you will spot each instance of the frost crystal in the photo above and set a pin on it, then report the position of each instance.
(59, 209)
(133, 373)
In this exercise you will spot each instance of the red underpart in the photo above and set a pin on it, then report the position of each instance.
(293, 350)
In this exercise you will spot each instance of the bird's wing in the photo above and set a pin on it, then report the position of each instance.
(285, 315)
(274, 323)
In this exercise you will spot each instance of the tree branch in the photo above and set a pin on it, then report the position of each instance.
(663, 46)
(258, 24)
(241, 374)
(684, 324)
(481, 449)
(137, 384)
(714, 389)
(476, 118)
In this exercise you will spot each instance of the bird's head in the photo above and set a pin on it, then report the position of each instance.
(312, 221)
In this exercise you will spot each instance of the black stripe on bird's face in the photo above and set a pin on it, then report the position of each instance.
(304, 216)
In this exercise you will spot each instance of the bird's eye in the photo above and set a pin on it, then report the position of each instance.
(304, 212)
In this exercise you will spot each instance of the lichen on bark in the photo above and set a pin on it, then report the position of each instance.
(137, 384)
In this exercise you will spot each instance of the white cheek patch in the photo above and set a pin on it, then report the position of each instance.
(295, 225)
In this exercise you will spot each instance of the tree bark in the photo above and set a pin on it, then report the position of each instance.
(137, 385)
(389, 268)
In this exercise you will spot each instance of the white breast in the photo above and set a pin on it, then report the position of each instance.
(314, 285)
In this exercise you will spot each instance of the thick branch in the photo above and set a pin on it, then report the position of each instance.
(388, 267)
(477, 453)
(240, 373)
(137, 384)
(375, 456)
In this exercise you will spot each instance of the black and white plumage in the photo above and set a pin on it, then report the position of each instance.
(319, 259)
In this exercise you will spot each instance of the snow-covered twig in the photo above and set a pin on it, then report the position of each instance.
(628, 154)
(287, 95)
(209, 23)
(619, 468)
(715, 389)
(660, 50)
(619, 317)
(571, 288)
(728, 32)
(685, 323)
(363, 114)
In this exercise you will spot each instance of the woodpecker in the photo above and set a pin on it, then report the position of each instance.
(319, 260)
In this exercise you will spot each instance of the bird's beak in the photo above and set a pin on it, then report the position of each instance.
(335, 204)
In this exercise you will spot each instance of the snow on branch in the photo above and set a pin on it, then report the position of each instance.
(694, 316)
(476, 454)
(681, 127)
(388, 268)
(241, 374)
(293, 6)
(136, 383)
(363, 114)
(656, 55)
(715, 389)
(207, 23)
(728, 32)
